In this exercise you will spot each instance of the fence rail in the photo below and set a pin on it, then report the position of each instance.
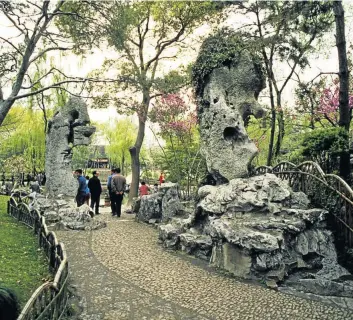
(50, 299)
(324, 190)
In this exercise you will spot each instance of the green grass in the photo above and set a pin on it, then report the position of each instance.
(23, 266)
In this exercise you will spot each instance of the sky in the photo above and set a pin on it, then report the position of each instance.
(323, 61)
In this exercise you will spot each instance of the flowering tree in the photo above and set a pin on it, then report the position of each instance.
(180, 156)
(173, 115)
(329, 102)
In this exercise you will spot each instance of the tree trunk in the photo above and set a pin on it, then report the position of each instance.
(5, 107)
(123, 164)
(273, 125)
(135, 152)
(135, 172)
(344, 110)
(280, 120)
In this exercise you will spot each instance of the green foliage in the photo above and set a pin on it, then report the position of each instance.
(23, 267)
(180, 157)
(121, 137)
(331, 140)
(23, 144)
(223, 48)
(181, 160)
(80, 156)
(141, 33)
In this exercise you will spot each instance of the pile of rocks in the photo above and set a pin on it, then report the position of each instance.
(259, 228)
(64, 214)
(161, 206)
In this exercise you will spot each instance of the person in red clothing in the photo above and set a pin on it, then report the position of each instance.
(161, 178)
(143, 189)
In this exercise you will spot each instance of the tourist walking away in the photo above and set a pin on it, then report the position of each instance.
(118, 187)
(111, 196)
(81, 191)
(155, 188)
(88, 193)
(95, 188)
(143, 190)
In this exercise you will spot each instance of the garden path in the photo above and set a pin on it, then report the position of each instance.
(122, 273)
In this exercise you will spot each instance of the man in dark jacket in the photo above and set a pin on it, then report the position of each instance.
(95, 188)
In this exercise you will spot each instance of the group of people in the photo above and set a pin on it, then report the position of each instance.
(144, 189)
(91, 188)
(88, 188)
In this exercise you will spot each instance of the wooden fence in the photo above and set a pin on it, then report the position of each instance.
(327, 191)
(49, 301)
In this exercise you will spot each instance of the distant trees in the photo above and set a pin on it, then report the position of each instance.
(144, 35)
(22, 141)
(120, 136)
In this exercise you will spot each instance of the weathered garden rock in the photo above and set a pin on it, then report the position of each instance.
(251, 240)
(161, 206)
(68, 128)
(64, 214)
(80, 218)
(150, 207)
(232, 259)
(198, 245)
(226, 94)
(171, 204)
(169, 233)
(51, 216)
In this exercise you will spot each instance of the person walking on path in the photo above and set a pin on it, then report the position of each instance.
(111, 196)
(118, 187)
(95, 188)
(81, 191)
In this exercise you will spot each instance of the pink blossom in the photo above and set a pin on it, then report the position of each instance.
(329, 101)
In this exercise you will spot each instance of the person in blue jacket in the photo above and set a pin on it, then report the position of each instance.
(82, 188)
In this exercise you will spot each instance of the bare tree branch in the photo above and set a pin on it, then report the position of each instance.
(41, 54)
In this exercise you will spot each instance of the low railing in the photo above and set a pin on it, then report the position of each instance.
(328, 191)
(50, 299)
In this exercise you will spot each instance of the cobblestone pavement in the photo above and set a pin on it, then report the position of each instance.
(123, 273)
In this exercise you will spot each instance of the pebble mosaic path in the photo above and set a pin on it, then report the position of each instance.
(121, 272)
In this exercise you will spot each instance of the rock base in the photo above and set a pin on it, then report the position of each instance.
(260, 229)
(61, 214)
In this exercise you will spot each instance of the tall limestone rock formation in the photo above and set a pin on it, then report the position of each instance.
(67, 129)
(228, 80)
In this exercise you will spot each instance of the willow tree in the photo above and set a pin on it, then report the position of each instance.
(24, 138)
(28, 39)
(120, 136)
(144, 35)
